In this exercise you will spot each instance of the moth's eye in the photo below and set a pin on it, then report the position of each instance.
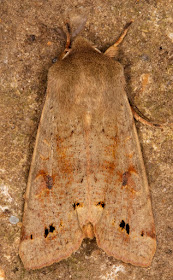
(54, 59)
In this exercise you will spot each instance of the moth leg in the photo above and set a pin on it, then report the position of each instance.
(112, 51)
(143, 120)
(68, 42)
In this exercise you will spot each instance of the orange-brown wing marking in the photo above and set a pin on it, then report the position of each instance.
(51, 230)
(125, 229)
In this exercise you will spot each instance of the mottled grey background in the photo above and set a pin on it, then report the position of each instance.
(30, 39)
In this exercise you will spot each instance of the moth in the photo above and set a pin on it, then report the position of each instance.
(87, 177)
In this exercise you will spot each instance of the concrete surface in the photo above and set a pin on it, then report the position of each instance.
(31, 38)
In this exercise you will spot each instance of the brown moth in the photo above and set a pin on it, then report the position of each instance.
(87, 176)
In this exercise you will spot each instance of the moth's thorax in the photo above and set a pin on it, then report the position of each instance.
(86, 80)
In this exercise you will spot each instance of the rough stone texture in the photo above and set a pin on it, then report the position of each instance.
(30, 39)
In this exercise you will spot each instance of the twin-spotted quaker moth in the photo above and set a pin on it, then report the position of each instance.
(87, 176)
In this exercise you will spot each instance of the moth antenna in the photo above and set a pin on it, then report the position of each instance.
(112, 50)
(68, 36)
(68, 41)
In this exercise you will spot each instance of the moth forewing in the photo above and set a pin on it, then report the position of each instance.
(87, 174)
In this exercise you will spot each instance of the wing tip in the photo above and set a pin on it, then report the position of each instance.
(142, 259)
(32, 259)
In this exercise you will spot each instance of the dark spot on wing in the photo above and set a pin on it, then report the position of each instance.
(122, 224)
(49, 182)
(51, 229)
(125, 226)
(77, 205)
(151, 234)
(101, 203)
(46, 232)
(95, 179)
(81, 180)
(125, 178)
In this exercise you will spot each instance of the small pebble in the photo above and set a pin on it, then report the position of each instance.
(31, 38)
(13, 220)
(145, 57)
(170, 35)
(2, 274)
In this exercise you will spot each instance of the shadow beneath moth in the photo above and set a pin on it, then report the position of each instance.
(87, 176)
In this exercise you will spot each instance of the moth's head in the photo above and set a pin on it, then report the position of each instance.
(80, 44)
